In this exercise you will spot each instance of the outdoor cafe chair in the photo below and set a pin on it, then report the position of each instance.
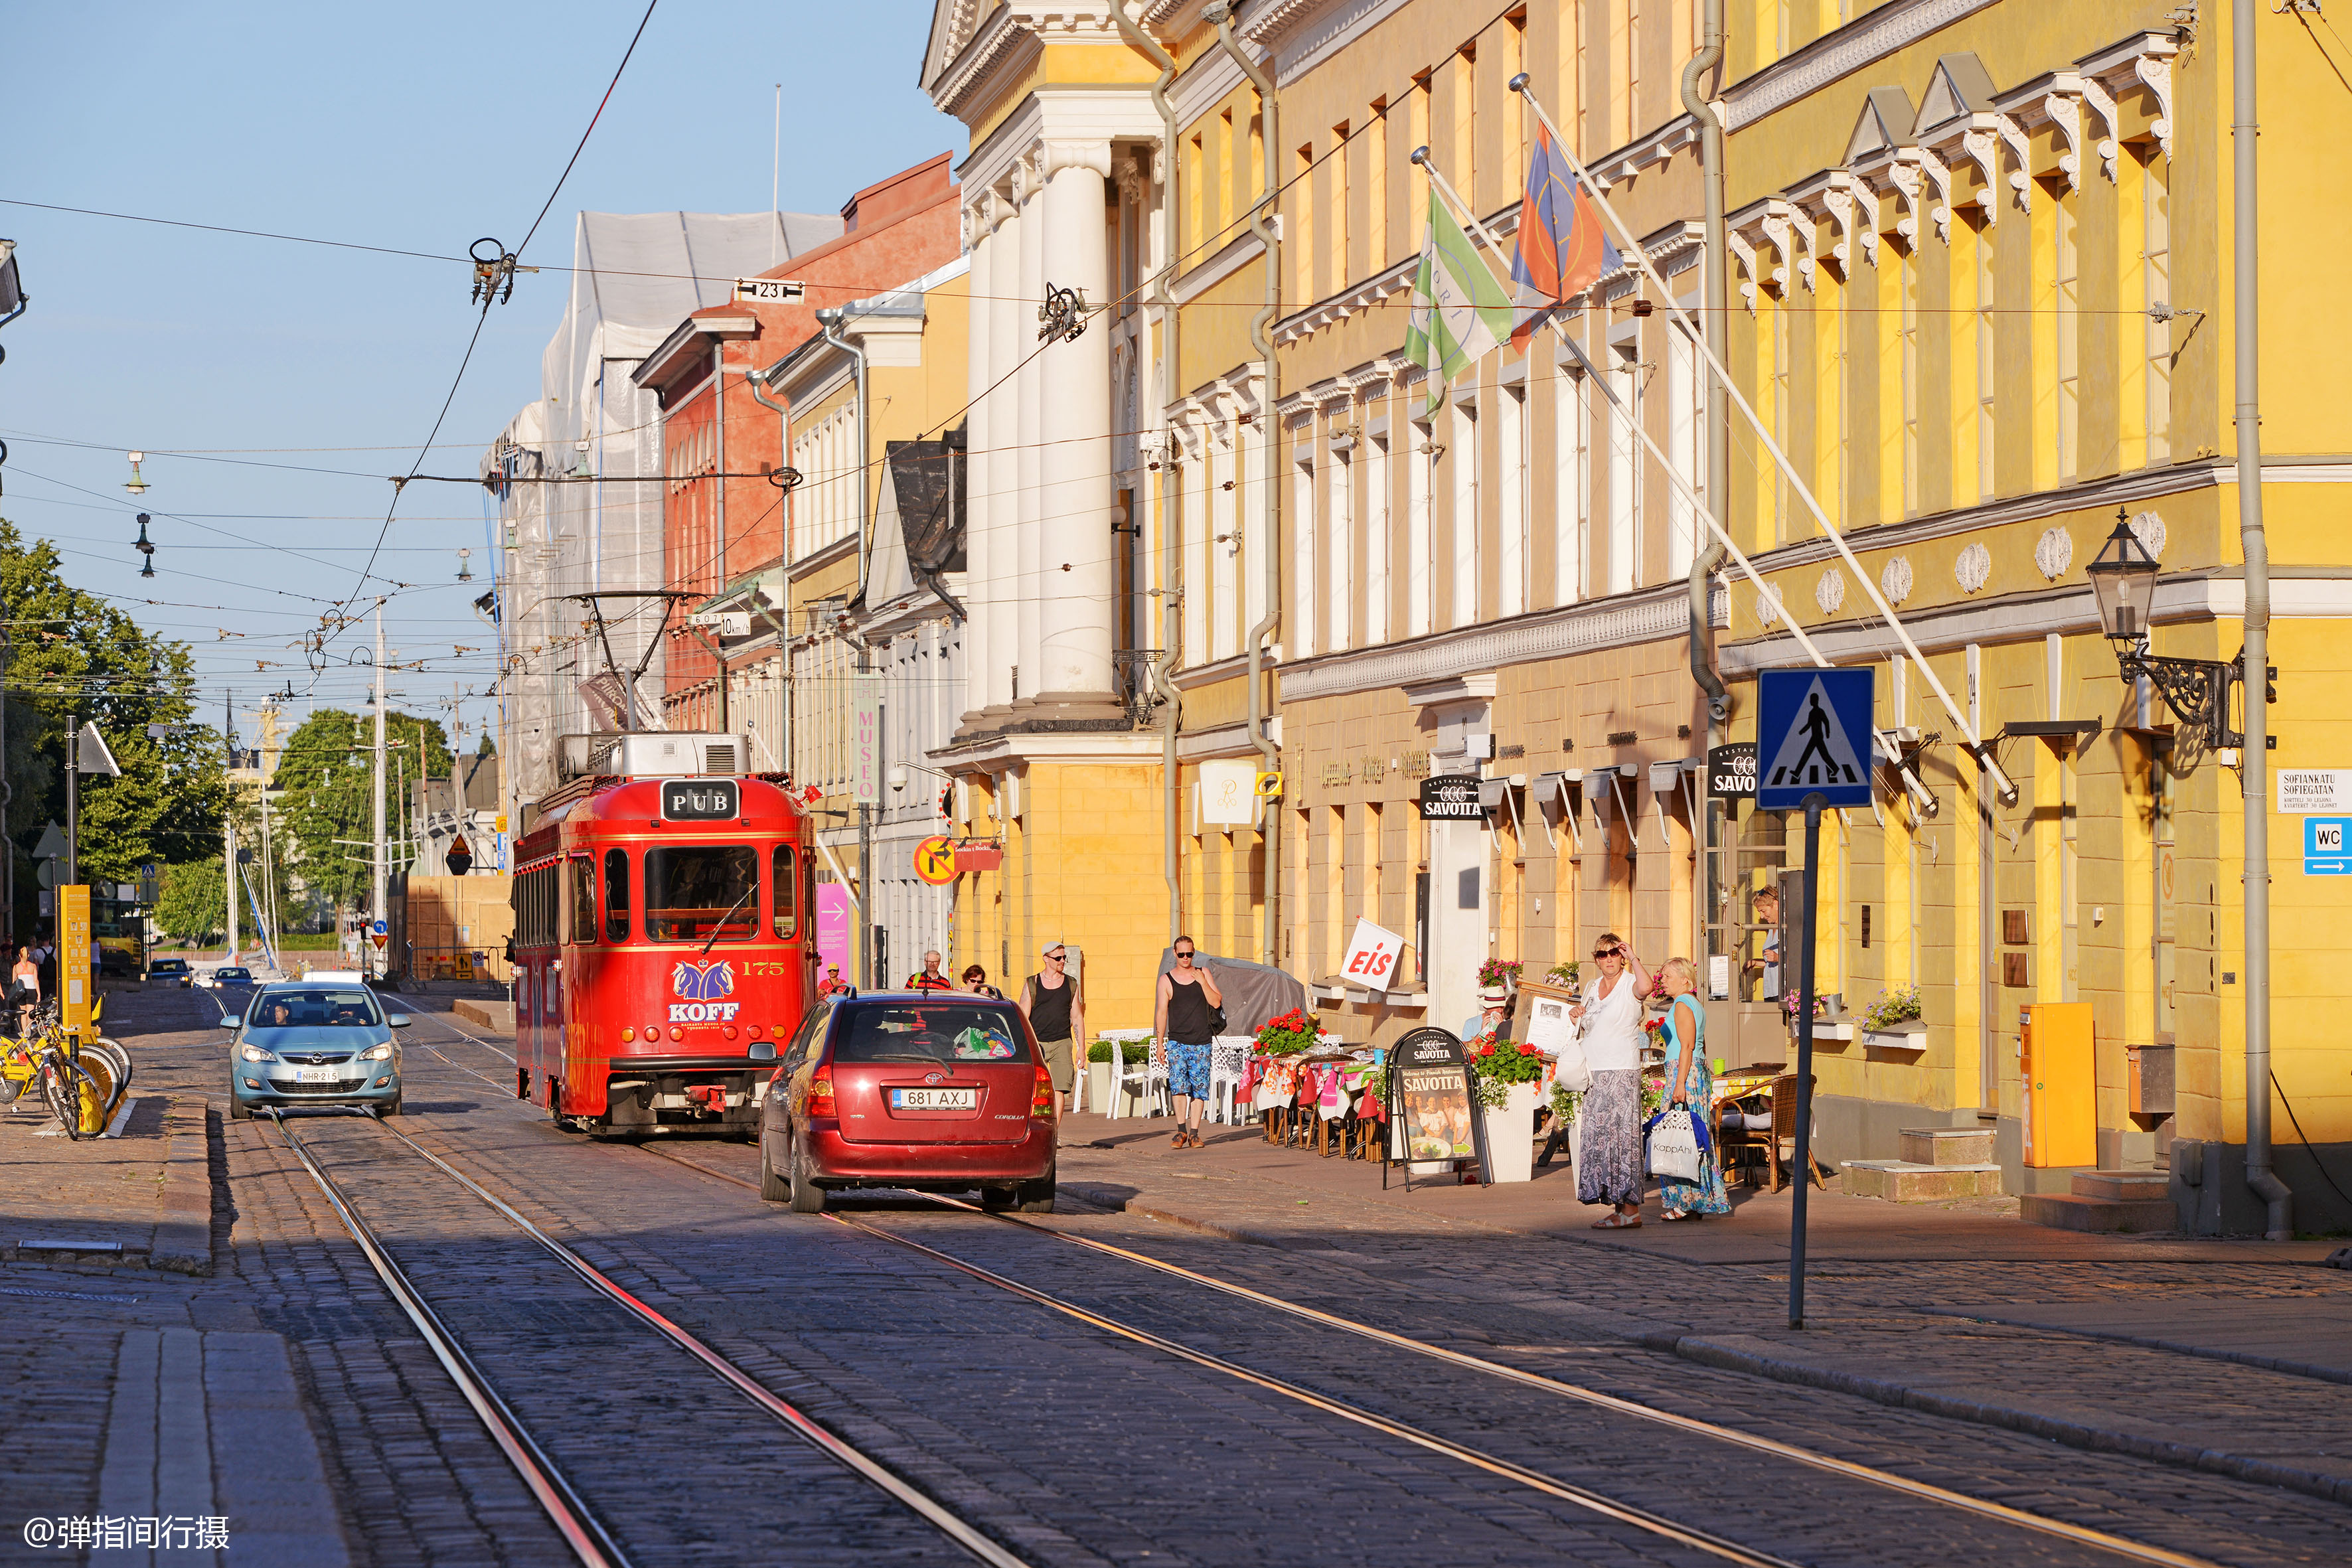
(1147, 1078)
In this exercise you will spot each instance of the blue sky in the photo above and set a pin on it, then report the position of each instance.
(419, 128)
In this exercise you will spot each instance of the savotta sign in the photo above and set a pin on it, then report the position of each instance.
(1731, 770)
(1451, 797)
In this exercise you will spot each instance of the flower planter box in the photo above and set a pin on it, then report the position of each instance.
(1824, 1030)
(1909, 1036)
(1511, 1134)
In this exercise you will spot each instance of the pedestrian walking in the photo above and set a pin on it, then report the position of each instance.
(929, 977)
(1608, 1119)
(1186, 1015)
(1691, 1084)
(975, 979)
(25, 988)
(1057, 1015)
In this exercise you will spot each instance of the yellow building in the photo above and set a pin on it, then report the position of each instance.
(1950, 288)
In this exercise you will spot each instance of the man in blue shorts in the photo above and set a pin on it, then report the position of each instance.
(1185, 1017)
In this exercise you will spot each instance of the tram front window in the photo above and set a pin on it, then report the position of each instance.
(693, 891)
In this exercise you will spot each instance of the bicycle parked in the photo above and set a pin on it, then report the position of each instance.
(81, 1082)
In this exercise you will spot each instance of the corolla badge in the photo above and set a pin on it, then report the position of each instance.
(702, 987)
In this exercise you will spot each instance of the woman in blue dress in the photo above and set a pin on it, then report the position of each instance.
(1690, 1084)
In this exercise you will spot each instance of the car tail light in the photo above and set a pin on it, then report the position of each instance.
(1040, 1099)
(820, 1094)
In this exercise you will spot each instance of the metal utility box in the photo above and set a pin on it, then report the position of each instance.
(2062, 1119)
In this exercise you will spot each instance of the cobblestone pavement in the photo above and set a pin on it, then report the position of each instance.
(1071, 1445)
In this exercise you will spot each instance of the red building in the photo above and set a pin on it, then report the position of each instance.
(722, 520)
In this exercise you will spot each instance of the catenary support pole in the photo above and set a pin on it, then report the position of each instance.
(1804, 1153)
(2254, 670)
(379, 886)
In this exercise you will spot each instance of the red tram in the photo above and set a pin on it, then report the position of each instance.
(665, 942)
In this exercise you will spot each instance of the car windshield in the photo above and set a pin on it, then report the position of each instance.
(919, 1032)
(316, 1007)
(695, 890)
(232, 974)
(169, 965)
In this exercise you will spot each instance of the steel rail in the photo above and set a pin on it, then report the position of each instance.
(1846, 1469)
(854, 1459)
(1591, 1501)
(581, 1530)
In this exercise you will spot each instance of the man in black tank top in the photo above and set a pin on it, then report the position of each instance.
(1057, 1016)
(1183, 1017)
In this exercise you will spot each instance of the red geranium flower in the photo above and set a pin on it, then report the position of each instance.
(1487, 1050)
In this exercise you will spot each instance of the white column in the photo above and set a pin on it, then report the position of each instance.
(1028, 455)
(1001, 511)
(1074, 577)
(977, 535)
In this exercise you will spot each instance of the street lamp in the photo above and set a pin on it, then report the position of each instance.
(2197, 690)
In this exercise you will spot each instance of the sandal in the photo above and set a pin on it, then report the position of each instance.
(1676, 1216)
(1617, 1222)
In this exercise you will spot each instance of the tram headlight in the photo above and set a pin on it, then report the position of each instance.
(381, 1053)
(255, 1054)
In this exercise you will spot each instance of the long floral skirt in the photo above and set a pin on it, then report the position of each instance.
(1609, 1140)
(1707, 1194)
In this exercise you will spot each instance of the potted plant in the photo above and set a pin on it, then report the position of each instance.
(1508, 1082)
(1288, 1035)
(1892, 1021)
(1499, 972)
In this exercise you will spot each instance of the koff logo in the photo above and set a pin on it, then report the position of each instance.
(702, 987)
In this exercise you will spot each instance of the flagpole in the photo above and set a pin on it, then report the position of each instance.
(1722, 376)
(1682, 486)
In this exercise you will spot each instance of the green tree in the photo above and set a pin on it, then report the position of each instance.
(326, 776)
(72, 658)
(193, 907)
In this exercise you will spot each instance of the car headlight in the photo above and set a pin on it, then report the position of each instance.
(381, 1053)
(255, 1054)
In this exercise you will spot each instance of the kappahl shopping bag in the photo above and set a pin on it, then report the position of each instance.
(1674, 1145)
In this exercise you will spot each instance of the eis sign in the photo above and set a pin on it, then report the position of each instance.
(703, 988)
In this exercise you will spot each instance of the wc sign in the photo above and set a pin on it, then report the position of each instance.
(2324, 851)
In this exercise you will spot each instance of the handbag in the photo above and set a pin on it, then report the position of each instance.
(1570, 1071)
(1674, 1145)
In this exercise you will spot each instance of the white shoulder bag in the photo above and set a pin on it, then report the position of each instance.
(1674, 1146)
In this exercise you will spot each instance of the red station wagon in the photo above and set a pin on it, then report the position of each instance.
(926, 1091)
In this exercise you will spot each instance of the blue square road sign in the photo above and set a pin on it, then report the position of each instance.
(2327, 845)
(1813, 736)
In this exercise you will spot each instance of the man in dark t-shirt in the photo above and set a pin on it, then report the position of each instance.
(1185, 1017)
(1057, 1016)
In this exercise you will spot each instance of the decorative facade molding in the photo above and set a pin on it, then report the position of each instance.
(1837, 54)
(1622, 620)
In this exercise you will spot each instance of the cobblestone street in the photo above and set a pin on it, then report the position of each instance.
(266, 1377)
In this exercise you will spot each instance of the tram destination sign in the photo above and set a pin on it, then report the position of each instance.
(1451, 797)
(700, 800)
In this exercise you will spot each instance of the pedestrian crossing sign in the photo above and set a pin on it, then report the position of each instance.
(1813, 731)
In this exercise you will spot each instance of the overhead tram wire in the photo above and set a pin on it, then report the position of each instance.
(489, 296)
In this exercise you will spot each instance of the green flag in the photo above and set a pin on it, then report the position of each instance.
(1459, 308)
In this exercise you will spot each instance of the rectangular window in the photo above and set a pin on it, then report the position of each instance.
(1417, 135)
(1376, 188)
(1336, 228)
(1908, 327)
(1572, 499)
(1305, 525)
(1465, 152)
(1465, 455)
(1776, 302)
(784, 888)
(2065, 262)
(1686, 411)
(1511, 502)
(1986, 425)
(583, 899)
(1621, 72)
(1223, 545)
(2156, 288)
(1227, 178)
(616, 895)
(1624, 469)
(1195, 178)
(1341, 532)
(1303, 213)
(1419, 601)
(1377, 541)
(694, 891)
(1195, 526)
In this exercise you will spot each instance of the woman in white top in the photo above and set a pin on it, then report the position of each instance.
(1608, 1130)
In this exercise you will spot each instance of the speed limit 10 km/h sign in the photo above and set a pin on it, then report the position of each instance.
(935, 860)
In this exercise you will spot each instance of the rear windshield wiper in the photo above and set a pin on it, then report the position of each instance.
(904, 1057)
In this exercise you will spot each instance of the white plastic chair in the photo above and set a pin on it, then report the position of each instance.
(1228, 1065)
(1147, 1078)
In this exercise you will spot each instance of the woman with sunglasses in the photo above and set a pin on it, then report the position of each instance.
(1609, 1132)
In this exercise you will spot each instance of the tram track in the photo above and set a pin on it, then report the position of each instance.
(1992, 1512)
(590, 1538)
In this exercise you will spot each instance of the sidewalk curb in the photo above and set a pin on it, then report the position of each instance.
(184, 1219)
(1728, 1357)
(2174, 1347)
(1170, 1216)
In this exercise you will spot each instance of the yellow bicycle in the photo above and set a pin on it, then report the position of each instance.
(82, 1083)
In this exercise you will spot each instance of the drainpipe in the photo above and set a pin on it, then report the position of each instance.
(1262, 219)
(1170, 601)
(719, 447)
(1719, 425)
(2255, 776)
(784, 759)
(826, 321)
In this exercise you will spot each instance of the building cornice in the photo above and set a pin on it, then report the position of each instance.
(1837, 54)
(1622, 620)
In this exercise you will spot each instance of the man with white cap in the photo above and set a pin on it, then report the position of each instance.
(1057, 1015)
(1493, 1013)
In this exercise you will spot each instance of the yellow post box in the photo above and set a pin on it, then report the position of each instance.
(2062, 1118)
